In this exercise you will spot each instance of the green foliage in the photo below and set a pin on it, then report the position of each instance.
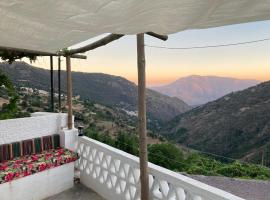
(4, 81)
(92, 133)
(123, 141)
(237, 169)
(128, 143)
(11, 109)
(11, 56)
(166, 155)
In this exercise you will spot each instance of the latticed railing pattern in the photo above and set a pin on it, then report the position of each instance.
(115, 175)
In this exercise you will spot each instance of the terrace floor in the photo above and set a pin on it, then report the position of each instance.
(78, 192)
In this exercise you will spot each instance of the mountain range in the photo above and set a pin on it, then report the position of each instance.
(236, 125)
(197, 90)
(97, 87)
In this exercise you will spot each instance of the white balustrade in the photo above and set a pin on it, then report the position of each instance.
(115, 175)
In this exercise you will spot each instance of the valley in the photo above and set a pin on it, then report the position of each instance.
(117, 127)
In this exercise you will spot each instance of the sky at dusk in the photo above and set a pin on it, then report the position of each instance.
(164, 66)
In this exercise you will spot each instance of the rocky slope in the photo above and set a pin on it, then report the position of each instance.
(236, 125)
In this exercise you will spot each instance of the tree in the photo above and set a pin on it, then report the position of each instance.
(4, 81)
(8, 110)
(11, 109)
(167, 155)
(128, 143)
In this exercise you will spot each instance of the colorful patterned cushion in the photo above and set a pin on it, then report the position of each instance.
(38, 145)
(27, 147)
(16, 149)
(4, 152)
(31, 164)
(56, 141)
(47, 142)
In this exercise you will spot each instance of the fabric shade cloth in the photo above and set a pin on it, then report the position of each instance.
(51, 25)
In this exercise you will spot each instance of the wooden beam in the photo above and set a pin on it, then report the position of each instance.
(158, 36)
(142, 118)
(59, 85)
(52, 84)
(107, 40)
(37, 53)
(69, 93)
(27, 51)
(78, 56)
(99, 43)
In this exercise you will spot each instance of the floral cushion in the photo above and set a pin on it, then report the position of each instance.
(31, 164)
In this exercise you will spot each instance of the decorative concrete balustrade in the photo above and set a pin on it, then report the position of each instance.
(115, 174)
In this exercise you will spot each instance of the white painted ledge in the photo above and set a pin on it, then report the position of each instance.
(40, 185)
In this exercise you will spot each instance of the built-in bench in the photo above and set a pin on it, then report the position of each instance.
(34, 160)
(21, 159)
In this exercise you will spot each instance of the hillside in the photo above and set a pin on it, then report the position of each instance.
(197, 90)
(236, 125)
(102, 88)
(118, 129)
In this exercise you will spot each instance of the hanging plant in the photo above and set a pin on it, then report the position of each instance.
(11, 56)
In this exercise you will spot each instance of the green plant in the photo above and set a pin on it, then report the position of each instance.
(167, 155)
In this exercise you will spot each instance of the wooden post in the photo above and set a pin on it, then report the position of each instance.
(69, 92)
(52, 86)
(142, 118)
(59, 84)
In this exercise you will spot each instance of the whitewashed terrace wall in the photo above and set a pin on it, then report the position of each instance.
(40, 124)
(40, 185)
(115, 174)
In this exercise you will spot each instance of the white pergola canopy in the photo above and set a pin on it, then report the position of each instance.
(51, 25)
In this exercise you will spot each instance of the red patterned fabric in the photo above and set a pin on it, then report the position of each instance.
(31, 164)
(5, 153)
(47, 142)
(27, 147)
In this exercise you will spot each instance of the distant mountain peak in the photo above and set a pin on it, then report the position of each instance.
(197, 89)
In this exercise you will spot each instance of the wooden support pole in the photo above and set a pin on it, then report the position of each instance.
(59, 85)
(69, 93)
(158, 36)
(52, 84)
(142, 118)
(99, 43)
